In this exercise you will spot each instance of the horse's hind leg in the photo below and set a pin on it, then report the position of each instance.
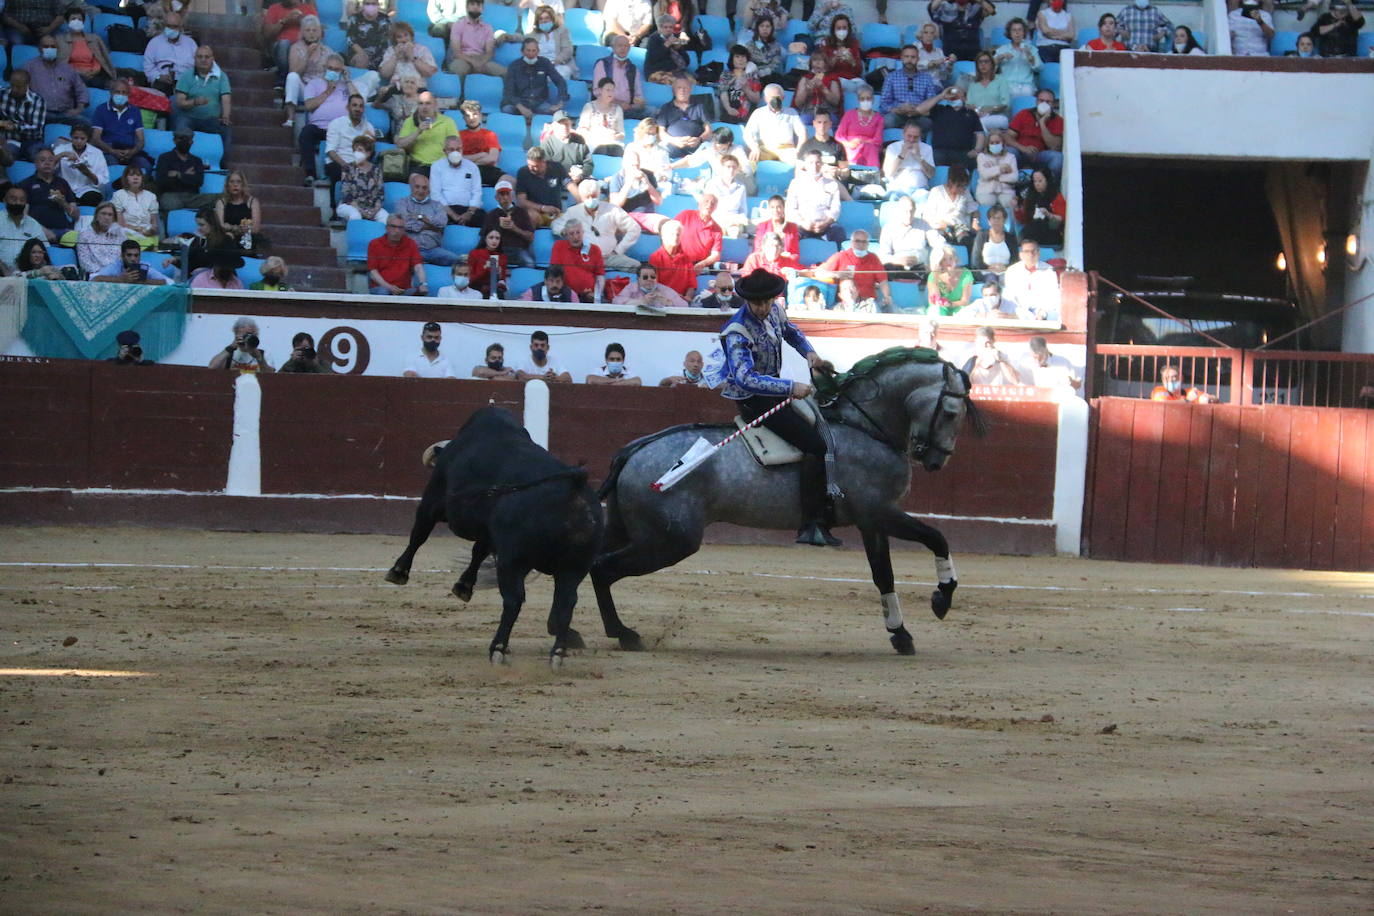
(560, 616)
(635, 559)
(900, 525)
(463, 587)
(428, 514)
(880, 564)
(511, 580)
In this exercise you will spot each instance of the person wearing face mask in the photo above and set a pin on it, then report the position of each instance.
(471, 44)
(539, 364)
(273, 280)
(306, 62)
(997, 173)
(85, 52)
(532, 85)
(720, 295)
(117, 128)
(180, 175)
(859, 264)
(692, 375)
(61, 87)
(819, 21)
(960, 23)
(1185, 43)
(1036, 134)
(555, 42)
(369, 34)
(461, 287)
(1171, 388)
(169, 55)
(626, 79)
(988, 306)
(340, 135)
(456, 184)
(425, 219)
(579, 257)
(1142, 27)
(429, 362)
(1055, 29)
(772, 131)
(17, 227)
(281, 27)
(861, 132)
(1306, 47)
(614, 371)
(606, 226)
(493, 368)
(326, 100)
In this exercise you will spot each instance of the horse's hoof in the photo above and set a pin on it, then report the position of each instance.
(463, 590)
(574, 640)
(500, 656)
(943, 598)
(630, 641)
(902, 641)
(397, 577)
(557, 658)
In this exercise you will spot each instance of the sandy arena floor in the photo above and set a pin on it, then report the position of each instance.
(1076, 737)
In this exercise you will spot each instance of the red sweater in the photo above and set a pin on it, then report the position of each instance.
(579, 271)
(700, 239)
(678, 272)
(479, 272)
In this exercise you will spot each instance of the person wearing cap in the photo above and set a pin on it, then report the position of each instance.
(608, 227)
(221, 274)
(394, 265)
(180, 175)
(752, 343)
(129, 353)
(532, 85)
(130, 268)
(539, 187)
(685, 122)
(514, 223)
(564, 148)
(456, 184)
(772, 131)
(429, 363)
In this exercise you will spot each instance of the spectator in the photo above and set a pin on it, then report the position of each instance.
(180, 174)
(1185, 43)
(26, 22)
(701, 234)
(274, 271)
(720, 295)
(818, 91)
(401, 99)
(51, 201)
(825, 17)
(685, 11)
(691, 375)
(617, 67)
(539, 187)
(63, 91)
(676, 268)
(532, 85)
(1019, 60)
(843, 58)
(326, 99)
(904, 90)
(737, 90)
(203, 99)
(1337, 31)
(1041, 210)
(713, 157)
(17, 226)
(488, 268)
(32, 263)
(130, 353)
(997, 172)
(950, 211)
(98, 243)
(129, 267)
(956, 132)
(1106, 35)
(631, 19)
(902, 242)
(649, 292)
(240, 213)
(23, 115)
(960, 22)
(756, 9)
(281, 28)
(927, 329)
(861, 132)
(772, 257)
(304, 359)
(994, 247)
(461, 285)
(813, 201)
(765, 51)
(424, 133)
(1054, 31)
(82, 166)
(538, 364)
(456, 184)
(602, 121)
(368, 36)
(778, 224)
(732, 199)
(221, 274)
(361, 191)
(567, 150)
(117, 128)
(471, 44)
(989, 365)
(1037, 134)
(425, 219)
(990, 306)
(581, 261)
(1170, 388)
(644, 165)
(480, 146)
(339, 137)
(394, 265)
(493, 368)
(606, 226)
(137, 208)
(553, 288)
(684, 122)
(555, 43)
(863, 267)
(405, 57)
(932, 58)
(168, 55)
(989, 95)
(1044, 369)
(665, 56)
(614, 371)
(306, 62)
(209, 239)
(831, 150)
(517, 231)
(774, 132)
(245, 352)
(1032, 285)
(442, 15)
(85, 52)
(1142, 27)
(949, 286)
(429, 362)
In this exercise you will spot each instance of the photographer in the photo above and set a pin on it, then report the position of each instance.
(130, 353)
(303, 359)
(244, 353)
(130, 268)
(1251, 27)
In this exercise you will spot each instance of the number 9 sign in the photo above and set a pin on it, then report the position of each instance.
(345, 351)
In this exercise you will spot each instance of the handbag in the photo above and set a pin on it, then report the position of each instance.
(394, 165)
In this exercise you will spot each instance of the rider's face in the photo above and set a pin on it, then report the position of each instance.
(760, 308)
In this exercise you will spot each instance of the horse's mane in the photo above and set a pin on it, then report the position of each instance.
(828, 388)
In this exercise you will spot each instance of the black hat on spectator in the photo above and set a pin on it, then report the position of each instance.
(222, 258)
(760, 284)
(127, 338)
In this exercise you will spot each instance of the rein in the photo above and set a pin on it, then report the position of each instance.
(924, 443)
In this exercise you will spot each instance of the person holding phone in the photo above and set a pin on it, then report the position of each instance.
(129, 268)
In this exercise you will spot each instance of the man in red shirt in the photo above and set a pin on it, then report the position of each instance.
(394, 265)
(777, 224)
(676, 269)
(480, 146)
(862, 266)
(1037, 134)
(281, 27)
(584, 270)
(701, 235)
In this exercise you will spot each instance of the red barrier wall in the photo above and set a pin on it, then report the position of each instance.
(1231, 485)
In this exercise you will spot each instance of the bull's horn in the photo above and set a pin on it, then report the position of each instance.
(431, 454)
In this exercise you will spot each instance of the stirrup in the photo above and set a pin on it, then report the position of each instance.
(814, 534)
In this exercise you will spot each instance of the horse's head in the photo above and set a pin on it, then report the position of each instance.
(936, 412)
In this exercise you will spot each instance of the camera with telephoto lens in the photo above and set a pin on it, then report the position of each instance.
(250, 342)
(136, 352)
(307, 353)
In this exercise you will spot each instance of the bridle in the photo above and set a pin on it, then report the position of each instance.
(924, 443)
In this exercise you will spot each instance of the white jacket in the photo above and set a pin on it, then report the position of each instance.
(612, 229)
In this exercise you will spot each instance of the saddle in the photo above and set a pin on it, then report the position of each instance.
(768, 448)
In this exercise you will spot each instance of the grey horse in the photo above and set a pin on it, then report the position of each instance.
(898, 407)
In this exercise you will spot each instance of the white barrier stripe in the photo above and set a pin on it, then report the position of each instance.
(43, 564)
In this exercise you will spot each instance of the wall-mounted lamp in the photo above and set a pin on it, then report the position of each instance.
(1281, 263)
(1354, 258)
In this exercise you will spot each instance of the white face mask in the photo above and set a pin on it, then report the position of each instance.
(1180, 45)
(1044, 108)
(454, 157)
(460, 282)
(842, 34)
(614, 367)
(76, 25)
(865, 104)
(995, 149)
(359, 156)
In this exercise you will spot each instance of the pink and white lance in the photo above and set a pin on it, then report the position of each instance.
(702, 450)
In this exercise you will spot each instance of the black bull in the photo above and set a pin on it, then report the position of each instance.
(497, 488)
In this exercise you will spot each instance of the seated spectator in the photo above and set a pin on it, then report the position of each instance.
(732, 197)
(950, 212)
(989, 95)
(927, 330)
(691, 375)
(17, 226)
(471, 44)
(429, 362)
(553, 288)
(909, 163)
(82, 166)
(130, 267)
(368, 36)
(932, 58)
(712, 156)
(567, 150)
(362, 188)
(555, 43)
(676, 268)
(326, 99)
(756, 9)
(832, 151)
(279, 30)
(51, 201)
(863, 267)
(25, 23)
(960, 25)
(394, 265)
(581, 263)
(538, 364)
(685, 123)
(62, 89)
(23, 115)
(488, 268)
(614, 371)
(774, 132)
(221, 274)
(98, 243)
(180, 175)
(461, 286)
(813, 201)
(306, 62)
(902, 243)
(33, 263)
(956, 132)
(606, 226)
(1019, 60)
(644, 165)
(339, 137)
(989, 365)
(1055, 31)
(1044, 369)
(532, 85)
(778, 224)
(1337, 31)
(861, 132)
(844, 59)
(617, 67)
(401, 99)
(1106, 35)
(83, 51)
(539, 187)
(817, 91)
(990, 306)
(406, 57)
(442, 15)
(456, 184)
(720, 295)
(701, 234)
(631, 19)
(493, 368)
(517, 231)
(137, 208)
(425, 219)
(1170, 388)
(812, 299)
(905, 89)
(274, 271)
(772, 257)
(649, 292)
(240, 213)
(168, 55)
(117, 128)
(1306, 48)
(1041, 210)
(666, 52)
(765, 52)
(823, 21)
(1037, 134)
(423, 134)
(997, 173)
(994, 247)
(739, 86)
(304, 359)
(480, 146)
(602, 122)
(1185, 43)
(209, 239)
(1032, 285)
(949, 286)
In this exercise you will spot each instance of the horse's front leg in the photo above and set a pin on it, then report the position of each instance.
(900, 525)
(880, 563)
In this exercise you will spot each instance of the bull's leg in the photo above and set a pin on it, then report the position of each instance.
(511, 580)
(463, 587)
(880, 564)
(900, 525)
(560, 616)
(428, 514)
(636, 559)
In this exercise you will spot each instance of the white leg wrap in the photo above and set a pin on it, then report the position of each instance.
(892, 610)
(944, 569)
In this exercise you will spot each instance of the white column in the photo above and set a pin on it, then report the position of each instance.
(245, 456)
(1070, 476)
(537, 411)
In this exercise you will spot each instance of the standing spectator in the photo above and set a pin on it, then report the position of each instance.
(997, 172)
(1337, 31)
(493, 367)
(425, 219)
(720, 295)
(429, 362)
(98, 243)
(844, 60)
(394, 265)
(532, 85)
(684, 122)
(676, 269)
(455, 183)
(180, 174)
(765, 51)
(1142, 27)
(326, 98)
(902, 243)
(581, 260)
(988, 94)
(602, 121)
(51, 201)
(631, 19)
(950, 212)
(818, 91)
(692, 365)
(813, 201)
(666, 52)
(168, 55)
(566, 149)
(85, 52)
(240, 213)
(1054, 31)
(861, 266)
(401, 99)
(614, 371)
(203, 100)
(63, 91)
(339, 137)
(609, 227)
(1042, 210)
(538, 365)
(553, 288)
(137, 208)
(480, 146)
(117, 128)
(732, 199)
(361, 192)
(648, 291)
(1032, 285)
(960, 24)
(539, 187)
(517, 231)
(774, 132)
(1037, 134)
(369, 35)
(471, 44)
(17, 226)
(488, 266)
(1106, 35)
(617, 67)
(949, 286)
(405, 57)
(555, 43)
(461, 287)
(995, 247)
(82, 166)
(909, 163)
(777, 223)
(956, 131)
(23, 115)
(130, 267)
(904, 90)
(1019, 60)
(861, 132)
(701, 234)
(281, 28)
(424, 133)
(306, 62)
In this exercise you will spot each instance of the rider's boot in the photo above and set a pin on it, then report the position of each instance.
(814, 530)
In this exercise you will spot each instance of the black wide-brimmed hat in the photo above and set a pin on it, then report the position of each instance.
(760, 284)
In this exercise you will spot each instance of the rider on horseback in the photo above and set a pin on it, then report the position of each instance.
(752, 343)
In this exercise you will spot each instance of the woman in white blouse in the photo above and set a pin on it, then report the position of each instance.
(98, 244)
(602, 122)
(997, 173)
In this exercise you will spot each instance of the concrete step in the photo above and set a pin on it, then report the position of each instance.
(253, 98)
(276, 174)
(255, 133)
(252, 78)
(306, 255)
(309, 277)
(305, 215)
(279, 196)
(235, 57)
(274, 154)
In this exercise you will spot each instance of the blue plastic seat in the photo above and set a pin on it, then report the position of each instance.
(674, 204)
(415, 14)
(358, 234)
(156, 142)
(122, 60)
(462, 239)
(95, 98)
(1085, 35)
(735, 250)
(336, 39)
(1283, 42)
(940, 177)
(209, 147)
(213, 183)
(718, 27)
(54, 132)
(521, 279)
(908, 296)
(181, 222)
(437, 277)
(61, 257)
(485, 89)
(643, 247)
(379, 119)
(329, 10)
(511, 159)
(584, 26)
(392, 191)
(1048, 78)
(586, 57)
(638, 56)
(773, 177)
(437, 46)
(605, 166)
(1364, 42)
(506, 53)
(1020, 103)
(578, 96)
(879, 35)
(20, 170)
(22, 54)
(855, 214)
(964, 68)
(250, 272)
(509, 128)
(736, 129)
(502, 18)
(814, 251)
(542, 247)
(488, 200)
(656, 95)
(446, 85)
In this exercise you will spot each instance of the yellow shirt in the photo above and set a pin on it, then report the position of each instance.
(430, 145)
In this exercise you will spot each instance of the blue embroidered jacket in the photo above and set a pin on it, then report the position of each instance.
(753, 353)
